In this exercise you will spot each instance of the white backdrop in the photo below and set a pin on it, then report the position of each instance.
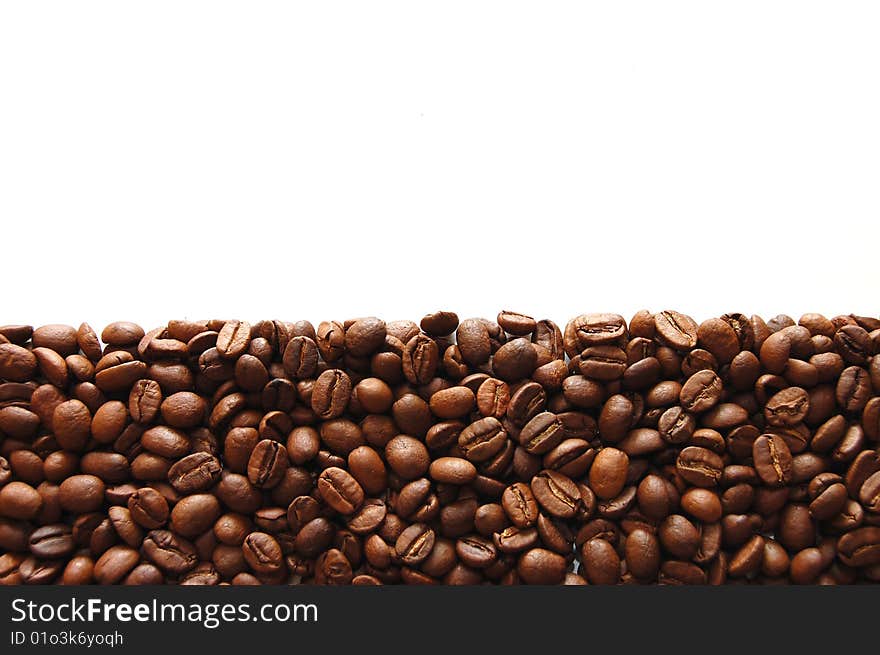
(326, 160)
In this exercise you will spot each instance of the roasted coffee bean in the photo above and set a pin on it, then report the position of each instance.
(482, 439)
(699, 466)
(170, 553)
(194, 473)
(608, 472)
(772, 459)
(52, 541)
(331, 394)
(148, 508)
(340, 490)
(556, 493)
(701, 392)
(267, 464)
(676, 330)
(194, 515)
(520, 505)
(414, 544)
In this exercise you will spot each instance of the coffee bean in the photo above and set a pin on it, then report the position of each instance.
(676, 330)
(194, 473)
(772, 460)
(701, 391)
(407, 457)
(699, 466)
(267, 464)
(642, 554)
(601, 562)
(452, 470)
(148, 508)
(482, 439)
(542, 433)
(439, 324)
(53, 541)
(340, 490)
(171, 553)
(331, 394)
(115, 564)
(556, 493)
(608, 472)
(520, 505)
(420, 359)
(476, 552)
(414, 544)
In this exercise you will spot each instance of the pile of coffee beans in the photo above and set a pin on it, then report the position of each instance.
(736, 450)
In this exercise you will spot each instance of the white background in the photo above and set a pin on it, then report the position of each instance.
(327, 160)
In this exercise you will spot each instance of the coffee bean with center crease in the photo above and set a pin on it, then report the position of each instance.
(331, 394)
(542, 433)
(476, 552)
(233, 339)
(340, 490)
(482, 439)
(414, 544)
(520, 505)
(420, 358)
(194, 473)
(676, 330)
(699, 466)
(267, 464)
(148, 508)
(772, 459)
(262, 553)
(144, 401)
(52, 541)
(493, 398)
(171, 553)
(701, 392)
(556, 493)
(787, 407)
(300, 359)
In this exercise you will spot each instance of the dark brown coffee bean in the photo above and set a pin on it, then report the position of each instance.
(420, 359)
(643, 554)
(262, 553)
(676, 330)
(608, 472)
(772, 460)
(701, 392)
(194, 473)
(699, 466)
(452, 470)
(169, 552)
(267, 464)
(556, 493)
(116, 563)
(81, 494)
(482, 439)
(476, 552)
(601, 562)
(331, 394)
(148, 508)
(340, 490)
(194, 515)
(439, 324)
(520, 505)
(414, 544)
(52, 541)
